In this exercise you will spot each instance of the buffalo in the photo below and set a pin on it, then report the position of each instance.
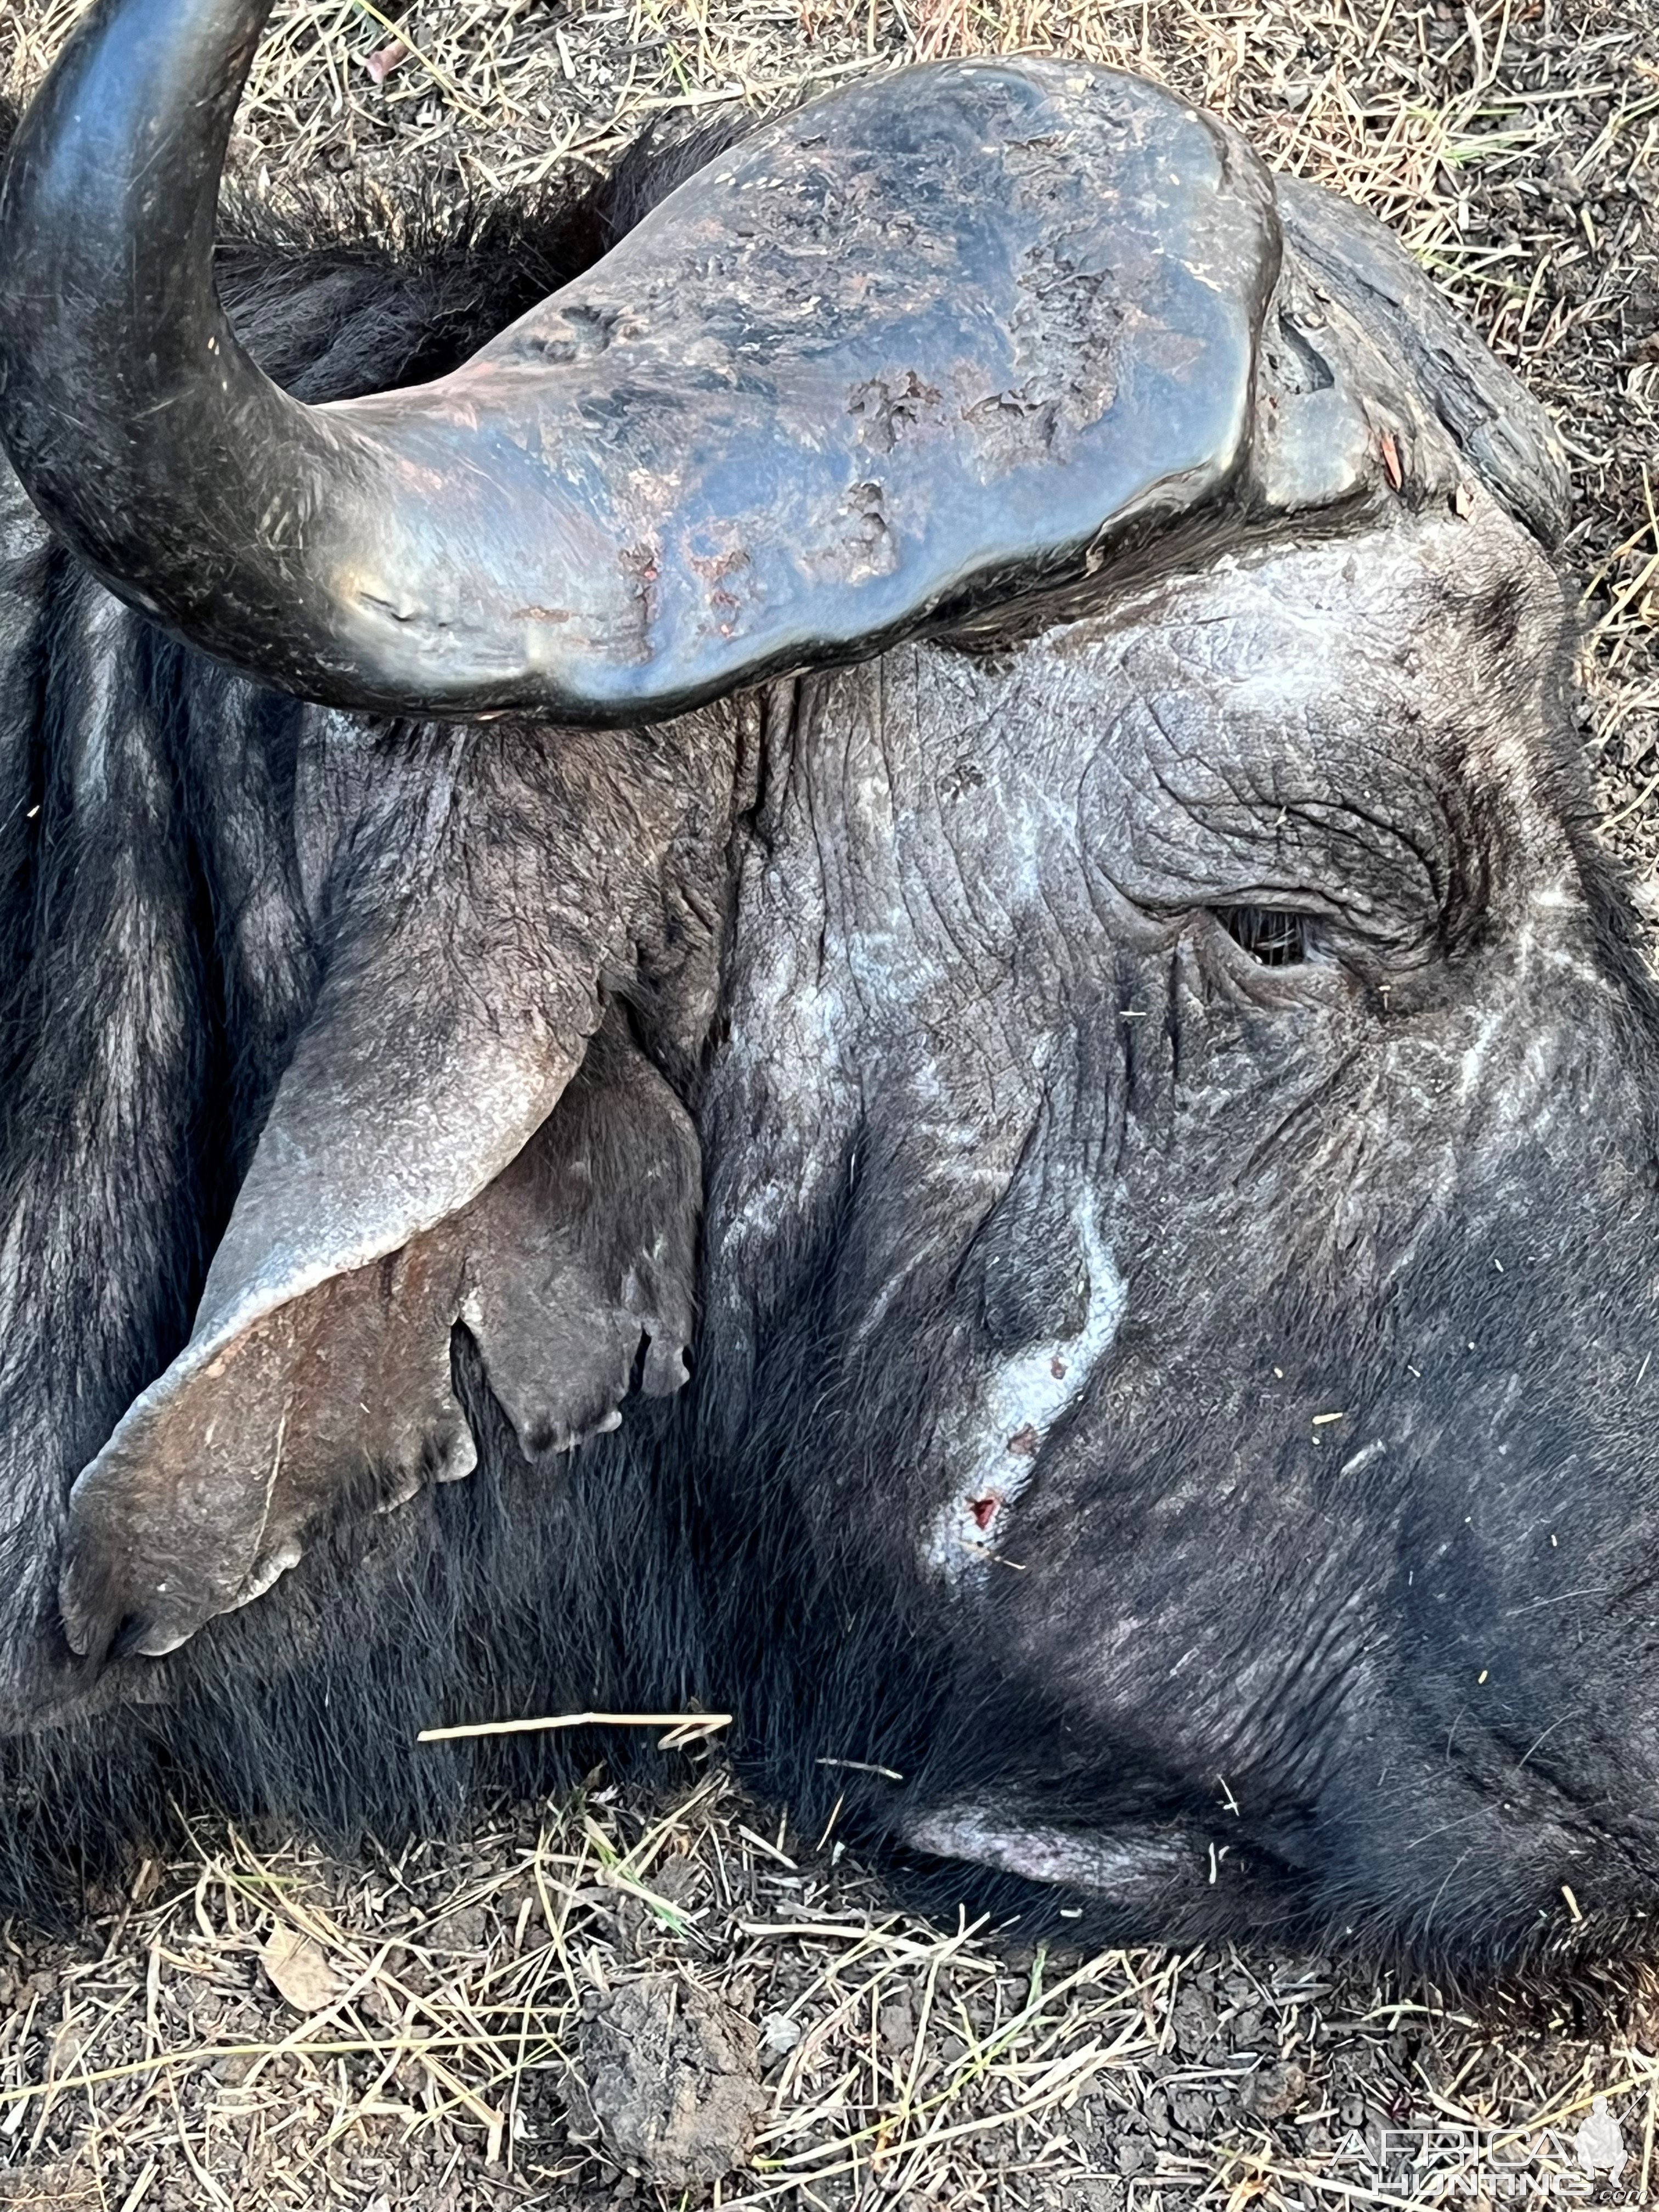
(824, 942)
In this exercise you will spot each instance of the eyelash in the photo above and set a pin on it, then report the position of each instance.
(1273, 936)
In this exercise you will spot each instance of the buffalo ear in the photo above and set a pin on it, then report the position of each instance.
(579, 1259)
(467, 1136)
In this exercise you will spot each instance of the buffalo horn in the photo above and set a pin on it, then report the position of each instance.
(934, 340)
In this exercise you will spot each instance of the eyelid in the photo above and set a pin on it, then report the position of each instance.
(1273, 937)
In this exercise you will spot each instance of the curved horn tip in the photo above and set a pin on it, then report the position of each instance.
(1035, 290)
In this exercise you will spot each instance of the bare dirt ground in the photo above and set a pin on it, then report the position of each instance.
(678, 2001)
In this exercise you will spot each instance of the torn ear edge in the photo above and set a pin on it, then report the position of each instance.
(310, 1394)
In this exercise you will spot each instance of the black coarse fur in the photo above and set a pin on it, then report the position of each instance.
(335, 298)
(662, 1569)
(332, 311)
(587, 1592)
(765, 1542)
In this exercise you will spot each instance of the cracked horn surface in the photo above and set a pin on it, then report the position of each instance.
(929, 341)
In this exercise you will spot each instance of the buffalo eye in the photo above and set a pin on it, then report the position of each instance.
(1273, 936)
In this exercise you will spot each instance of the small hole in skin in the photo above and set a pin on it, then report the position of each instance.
(1273, 936)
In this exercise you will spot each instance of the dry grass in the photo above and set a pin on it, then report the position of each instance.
(434, 2002)
(152, 2062)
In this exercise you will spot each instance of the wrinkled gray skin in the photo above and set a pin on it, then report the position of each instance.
(975, 969)
(1236, 1377)
(1309, 1392)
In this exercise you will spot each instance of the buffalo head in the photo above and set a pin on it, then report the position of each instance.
(1005, 769)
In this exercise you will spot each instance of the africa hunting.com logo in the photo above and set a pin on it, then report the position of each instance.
(1448, 2161)
(1463, 2160)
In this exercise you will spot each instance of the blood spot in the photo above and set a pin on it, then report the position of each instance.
(984, 1510)
(1057, 1369)
(1024, 1441)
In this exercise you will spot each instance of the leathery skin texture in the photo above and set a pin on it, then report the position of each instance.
(1049, 1193)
